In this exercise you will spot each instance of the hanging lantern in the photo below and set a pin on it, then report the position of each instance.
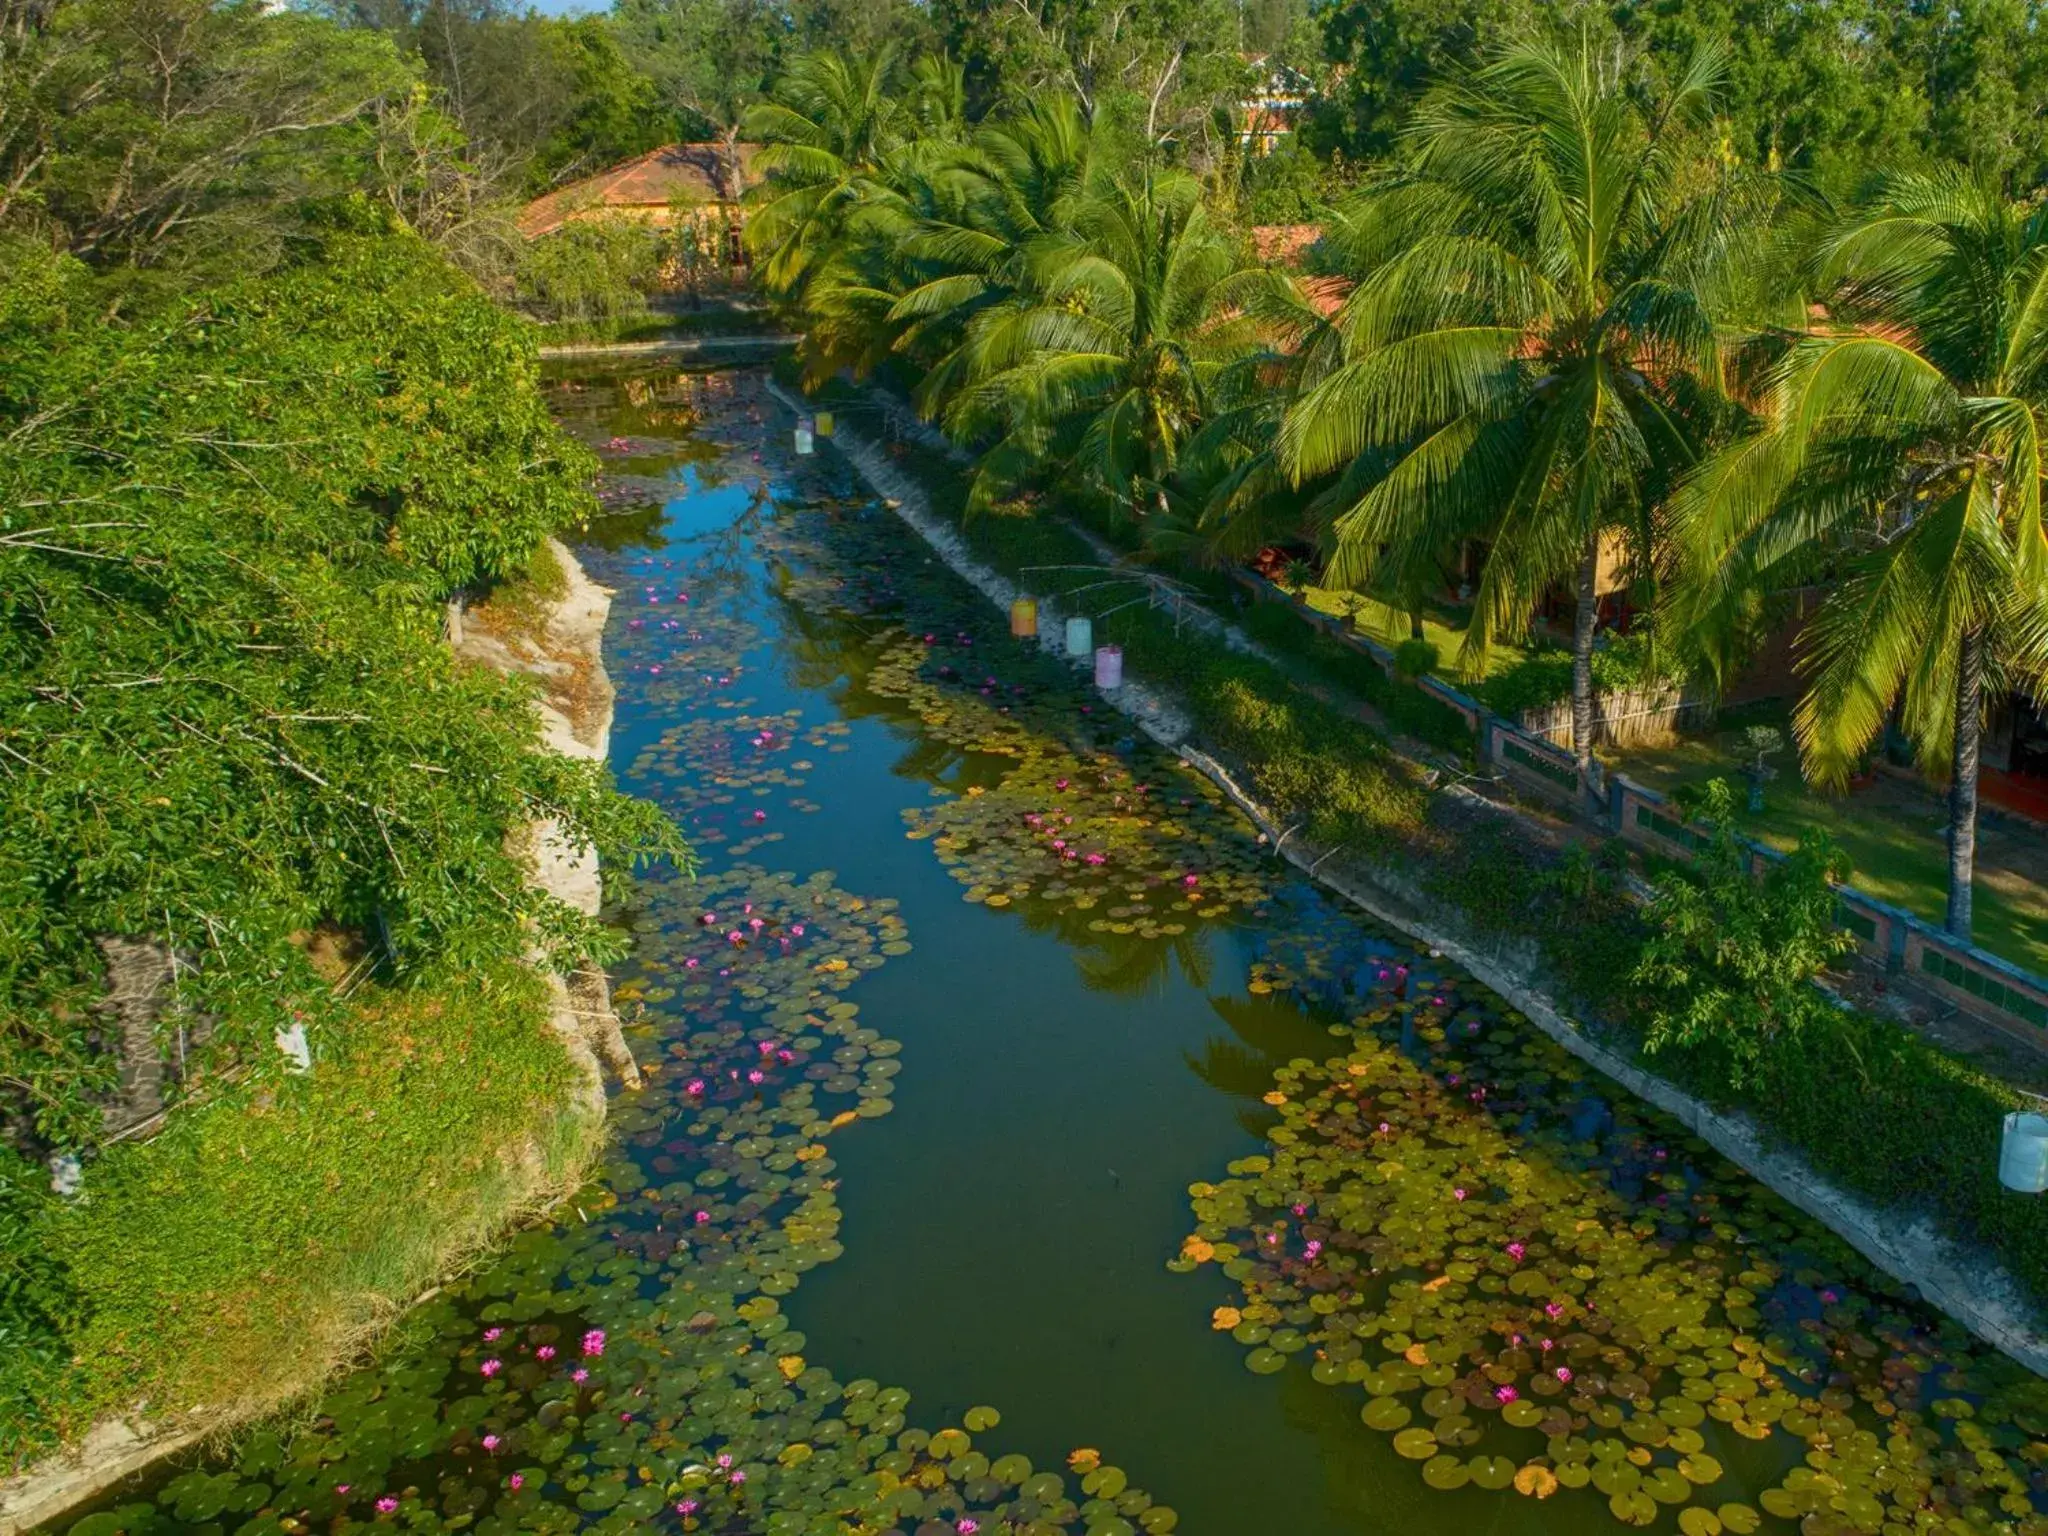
(1109, 669)
(1024, 618)
(1080, 637)
(803, 441)
(824, 427)
(2023, 1153)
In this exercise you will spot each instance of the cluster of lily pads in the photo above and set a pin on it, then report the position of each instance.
(1145, 849)
(1537, 1287)
(630, 1368)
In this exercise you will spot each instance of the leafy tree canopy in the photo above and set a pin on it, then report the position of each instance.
(229, 713)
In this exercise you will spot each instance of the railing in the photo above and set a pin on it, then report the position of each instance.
(1975, 981)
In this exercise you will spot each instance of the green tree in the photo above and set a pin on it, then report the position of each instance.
(1155, 70)
(1530, 350)
(1390, 53)
(829, 126)
(227, 713)
(1898, 455)
(710, 58)
(181, 133)
(1095, 372)
(963, 238)
(1732, 955)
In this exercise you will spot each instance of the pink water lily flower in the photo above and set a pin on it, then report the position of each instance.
(593, 1342)
(490, 1442)
(386, 1504)
(545, 1352)
(1457, 1194)
(1563, 1373)
(517, 1482)
(579, 1375)
(492, 1366)
(1505, 1394)
(492, 1335)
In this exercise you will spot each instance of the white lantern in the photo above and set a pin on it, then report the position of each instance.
(1080, 637)
(1109, 673)
(2023, 1153)
(803, 441)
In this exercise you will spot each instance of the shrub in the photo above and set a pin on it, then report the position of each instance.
(1545, 676)
(1732, 957)
(1414, 659)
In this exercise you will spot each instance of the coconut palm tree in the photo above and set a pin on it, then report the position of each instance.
(894, 227)
(1530, 350)
(830, 124)
(1898, 451)
(1095, 369)
(1022, 179)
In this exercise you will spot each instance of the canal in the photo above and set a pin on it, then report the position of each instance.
(1029, 1150)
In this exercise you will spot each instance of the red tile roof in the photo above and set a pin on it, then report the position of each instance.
(689, 173)
(1284, 243)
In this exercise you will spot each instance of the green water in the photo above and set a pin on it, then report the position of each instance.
(990, 1068)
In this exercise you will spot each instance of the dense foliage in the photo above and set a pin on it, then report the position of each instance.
(1732, 957)
(259, 427)
(230, 714)
(1563, 336)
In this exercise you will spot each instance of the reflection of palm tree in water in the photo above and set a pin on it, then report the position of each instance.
(1265, 1034)
(826, 647)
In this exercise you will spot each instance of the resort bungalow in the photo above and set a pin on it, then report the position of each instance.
(662, 187)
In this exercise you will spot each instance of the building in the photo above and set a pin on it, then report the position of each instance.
(662, 186)
(1275, 107)
(1284, 245)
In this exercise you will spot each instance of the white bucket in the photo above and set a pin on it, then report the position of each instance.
(803, 440)
(1109, 673)
(1080, 636)
(2023, 1153)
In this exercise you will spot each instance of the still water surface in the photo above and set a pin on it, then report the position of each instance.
(1077, 989)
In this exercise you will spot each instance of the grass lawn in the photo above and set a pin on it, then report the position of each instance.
(1893, 834)
(231, 1260)
(1389, 626)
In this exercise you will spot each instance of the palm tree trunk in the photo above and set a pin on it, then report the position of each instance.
(1584, 620)
(1415, 624)
(1962, 787)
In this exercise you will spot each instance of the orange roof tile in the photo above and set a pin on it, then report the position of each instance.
(1284, 242)
(690, 173)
